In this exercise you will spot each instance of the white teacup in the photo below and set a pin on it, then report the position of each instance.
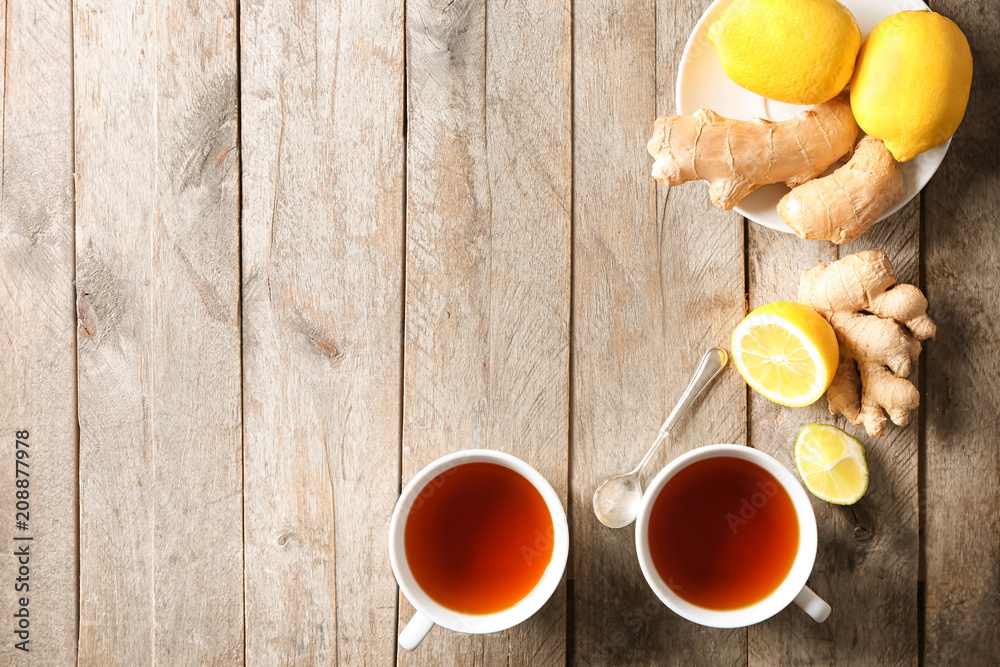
(429, 612)
(792, 589)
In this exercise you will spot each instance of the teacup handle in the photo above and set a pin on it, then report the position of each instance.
(808, 602)
(417, 629)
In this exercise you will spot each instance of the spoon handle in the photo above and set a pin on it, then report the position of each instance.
(711, 364)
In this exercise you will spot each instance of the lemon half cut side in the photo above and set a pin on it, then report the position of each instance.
(787, 352)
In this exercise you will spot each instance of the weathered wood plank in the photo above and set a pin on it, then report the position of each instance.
(866, 565)
(322, 131)
(446, 361)
(114, 262)
(529, 167)
(37, 331)
(658, 279)
(961, 208)
(488, 262)
(159, 363)
(196, 422)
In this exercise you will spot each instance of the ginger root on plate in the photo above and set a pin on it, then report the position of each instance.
(738, 156)
(879, 328)
(844, 205)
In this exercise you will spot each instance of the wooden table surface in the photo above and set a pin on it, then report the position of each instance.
(263, 260)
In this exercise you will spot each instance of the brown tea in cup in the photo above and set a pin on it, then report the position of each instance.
(723, 533)
(478, 538)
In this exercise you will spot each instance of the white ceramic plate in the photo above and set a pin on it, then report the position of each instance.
(702, 83)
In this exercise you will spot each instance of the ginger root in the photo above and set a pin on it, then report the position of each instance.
(738, 156)
(879, 328)
(844, 205)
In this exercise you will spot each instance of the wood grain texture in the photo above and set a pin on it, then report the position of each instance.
(866, 564)
(159, 364)
(961, 208)
(114, 337)
(37, 328)
(488, 263)
(322, 131)
(658, 279)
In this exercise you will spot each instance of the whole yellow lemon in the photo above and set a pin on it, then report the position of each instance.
(795, 51)
(912, 82)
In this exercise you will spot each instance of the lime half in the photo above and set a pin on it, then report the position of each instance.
(832, 464)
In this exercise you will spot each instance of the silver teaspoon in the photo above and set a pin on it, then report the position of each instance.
(617, 500)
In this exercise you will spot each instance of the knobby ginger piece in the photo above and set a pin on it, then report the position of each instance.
(844, 205)
(879, 328)
(738, 156)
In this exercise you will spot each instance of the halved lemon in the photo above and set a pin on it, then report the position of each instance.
(832, 464)
(787, 352)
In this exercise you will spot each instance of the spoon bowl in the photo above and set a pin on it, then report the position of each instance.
(617, 500)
